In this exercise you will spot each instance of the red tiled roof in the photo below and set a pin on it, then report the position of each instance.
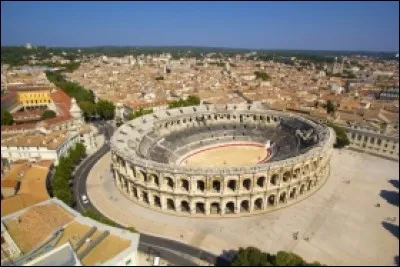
(62, 100)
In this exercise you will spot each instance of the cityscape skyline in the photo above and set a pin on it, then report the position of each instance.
(213, 24)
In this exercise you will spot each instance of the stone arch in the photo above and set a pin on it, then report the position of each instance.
(185, 206)
(261, 181)
(309, 185)
(245, 206)
(135, 193)
(293, 193)
(302, 189)
(169, 182)
(230, 207)
(271, 200)
(258, 204)
(170, 204)
(157, 201)
(216, 186)
(155, 179)
(306, 168)
(247, 184)
(274, 179)
(296, 173)
(200, 208)
(145, 197)
(144, 176)
(185, 185)
(232, 185)
(282, 198)
(200, 185)
(286, 176)
(215, 208)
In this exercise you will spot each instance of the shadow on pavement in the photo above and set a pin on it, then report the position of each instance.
(397, 260)
(225, 258)
(391, 197)
(394, 229)
(395, 183)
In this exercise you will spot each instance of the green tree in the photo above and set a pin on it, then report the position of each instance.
(262, 75)
(341, 137)
(190, 101)
(139, 113)
(6, 117)
(105, 109)
(330, 107)
(48, 114)
(88, 109)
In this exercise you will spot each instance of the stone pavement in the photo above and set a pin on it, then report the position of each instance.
(337, 225)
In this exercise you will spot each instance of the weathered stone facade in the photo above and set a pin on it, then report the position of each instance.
(210, 191)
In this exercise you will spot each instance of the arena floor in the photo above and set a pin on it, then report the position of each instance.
(231, 155)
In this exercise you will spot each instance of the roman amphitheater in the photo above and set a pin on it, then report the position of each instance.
(220, 160)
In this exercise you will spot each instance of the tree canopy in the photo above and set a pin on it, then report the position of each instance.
(190, 101)
(262, 76)
(6, 117)
(252, 256)
(341, 137)
(48, 114)
(105, 109)
(139, 113)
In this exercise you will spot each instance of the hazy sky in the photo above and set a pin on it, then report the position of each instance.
(271, 25)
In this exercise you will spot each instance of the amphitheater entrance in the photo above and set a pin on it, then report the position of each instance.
(185, 206)
(230, 208)
(200, 209)
(157, 201)
(244, 206)
(271, 200)
(302, 188)
(215, 208)
(282, 198)
(258, 204)
(170, 204)
(200, 185)
(145, 197)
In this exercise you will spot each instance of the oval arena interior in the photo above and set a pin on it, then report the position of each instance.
(220, 160)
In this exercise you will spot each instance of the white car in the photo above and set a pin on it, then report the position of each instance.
(85, 199)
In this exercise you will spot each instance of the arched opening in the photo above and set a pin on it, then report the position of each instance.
(268, 119)
(302, 188)
(244, 206)
(170, 204)
(185, 185)
(230, 208)
(157, 201)
(282, 197)
(309, 185)
(247, 184)
(296, 173)
(145, 197)
(214, 208)
(271, 200)
(216, 186)
(135, 194)
(306, 169)
(232, 185)
(200, 185)
(258, 204)
(155, 180)
(185, 206)
(169, 182)
(144, 176)
(274, 179)
(286, 176)
(293, 193)
(200, 208)
(261, 181)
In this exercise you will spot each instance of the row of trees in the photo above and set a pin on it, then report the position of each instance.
(139, 113)
(6, 117)
(63, 173)
(190, 101)
(85, 98)
(252, 256)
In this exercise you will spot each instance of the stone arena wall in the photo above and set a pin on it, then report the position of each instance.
(217, 192)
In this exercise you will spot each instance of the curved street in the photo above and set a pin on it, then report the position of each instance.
(175, 252)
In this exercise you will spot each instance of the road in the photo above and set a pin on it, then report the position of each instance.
(175, 252)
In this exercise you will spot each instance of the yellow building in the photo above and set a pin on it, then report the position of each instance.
(38, 96)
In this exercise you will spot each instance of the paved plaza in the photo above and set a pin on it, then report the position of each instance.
(339, 224)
